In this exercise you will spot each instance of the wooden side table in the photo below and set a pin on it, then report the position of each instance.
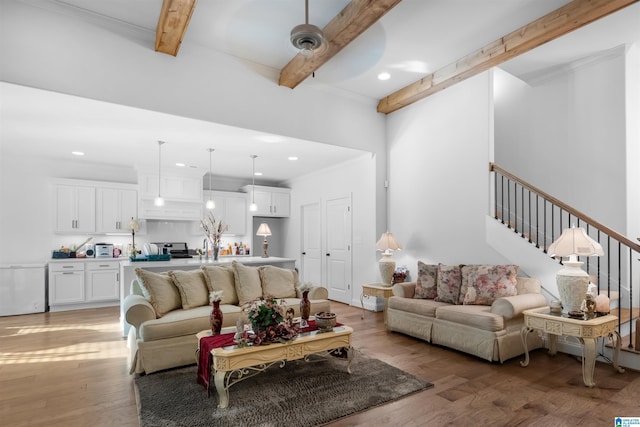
(376, 290)
(588, 331)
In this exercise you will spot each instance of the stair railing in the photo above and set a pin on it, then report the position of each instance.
(539, 218)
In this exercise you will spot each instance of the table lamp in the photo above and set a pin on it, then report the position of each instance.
(133, 226)
(264, 231)
(387, 265)
(572, 280)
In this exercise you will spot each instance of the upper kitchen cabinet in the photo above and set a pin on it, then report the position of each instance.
(231, 208)
(115, 208)
(75, 208)
(271, 201)
(172, 187)
(182, 195)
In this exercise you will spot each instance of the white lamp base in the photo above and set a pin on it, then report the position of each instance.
(387, 267)
(573, 283)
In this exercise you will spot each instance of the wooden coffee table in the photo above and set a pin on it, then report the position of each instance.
(233, 364)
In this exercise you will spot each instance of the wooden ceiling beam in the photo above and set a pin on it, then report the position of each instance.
(549, 27)
(172, 24)
(352, 21)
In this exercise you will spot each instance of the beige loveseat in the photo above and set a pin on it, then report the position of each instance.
(476, 309)
(167, 310)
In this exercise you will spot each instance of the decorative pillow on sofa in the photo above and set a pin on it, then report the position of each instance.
(221, 278)
(278, 282)
(448, 283)
(486, 283)
(247, 281)
(426, 283)
(159, 290)
(192, 286)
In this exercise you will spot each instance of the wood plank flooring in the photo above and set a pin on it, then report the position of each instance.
(70, 369)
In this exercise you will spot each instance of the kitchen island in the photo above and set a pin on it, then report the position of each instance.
(128, 273)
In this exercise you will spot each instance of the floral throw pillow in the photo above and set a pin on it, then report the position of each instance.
(426, 282)
(486, 283)
(448, 283)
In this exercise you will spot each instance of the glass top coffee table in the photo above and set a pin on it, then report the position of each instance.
(233, 364)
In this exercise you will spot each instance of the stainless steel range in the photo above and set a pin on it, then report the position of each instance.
(176, 249)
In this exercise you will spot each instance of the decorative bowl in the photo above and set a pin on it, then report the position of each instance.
(325, 321)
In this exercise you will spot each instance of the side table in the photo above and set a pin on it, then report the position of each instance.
(588, 331)
(376, 290)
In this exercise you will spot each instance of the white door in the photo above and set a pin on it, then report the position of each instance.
(338, 254)
(311, 244)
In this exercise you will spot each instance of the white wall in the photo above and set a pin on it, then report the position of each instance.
(632, 86)
(565, 134)
(439, 151)
(75, 53)
(354, 178)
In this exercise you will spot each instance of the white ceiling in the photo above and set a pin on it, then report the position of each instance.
(415, 38)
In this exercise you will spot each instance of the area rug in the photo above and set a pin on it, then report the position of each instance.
(299, 394)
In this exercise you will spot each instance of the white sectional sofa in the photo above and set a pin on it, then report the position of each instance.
(483, 318)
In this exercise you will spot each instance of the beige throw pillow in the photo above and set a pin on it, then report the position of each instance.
(221, 278)
(192, 286)
(278, 282)
(159, 290)
(247, 280)
(426, 285)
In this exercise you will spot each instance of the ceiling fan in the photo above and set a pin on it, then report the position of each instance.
(307, 37)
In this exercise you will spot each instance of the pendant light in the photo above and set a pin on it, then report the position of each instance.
(253, 207)
(159, 201)
(210, 203)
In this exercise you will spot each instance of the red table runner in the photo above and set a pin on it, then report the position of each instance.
(224, 340)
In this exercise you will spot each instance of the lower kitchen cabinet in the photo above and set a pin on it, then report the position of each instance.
(66, 283)
(102, 281)
(77, 284)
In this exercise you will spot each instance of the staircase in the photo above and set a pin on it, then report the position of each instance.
(537, 219)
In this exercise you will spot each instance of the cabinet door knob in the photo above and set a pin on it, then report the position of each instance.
(328, 254)
(304, 253)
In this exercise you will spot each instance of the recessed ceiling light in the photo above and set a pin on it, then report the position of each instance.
(292, 158)
(77, 153)
(180, 165)
(384, 76)
(258, 173)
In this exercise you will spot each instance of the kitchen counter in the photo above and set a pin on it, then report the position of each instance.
(196, 262)
(127, 270)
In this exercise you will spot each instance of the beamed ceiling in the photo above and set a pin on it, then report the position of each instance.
(358, 15)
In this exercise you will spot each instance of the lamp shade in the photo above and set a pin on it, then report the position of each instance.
(575, 241)
(387, 242)
(264, 230)
(134, 225)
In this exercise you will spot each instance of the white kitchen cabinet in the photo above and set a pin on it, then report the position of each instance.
(75, 209)
(77, 284)
(231, 208)
(115, 208)
(66, 283)
(102, 281)
(271, 201)
(172, 187)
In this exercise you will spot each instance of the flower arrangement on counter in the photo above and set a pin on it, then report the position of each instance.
(213, 229)
(266, 316)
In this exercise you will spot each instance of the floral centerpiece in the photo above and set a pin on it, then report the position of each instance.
(213, 229)
(400, 275)
(266, 316)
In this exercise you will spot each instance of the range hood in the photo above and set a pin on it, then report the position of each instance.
(181, 211)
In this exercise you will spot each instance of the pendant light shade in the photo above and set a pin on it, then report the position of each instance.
(253, 207)
(159, 201)
(210, 203)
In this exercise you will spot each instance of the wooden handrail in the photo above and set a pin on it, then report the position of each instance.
(619, 237)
